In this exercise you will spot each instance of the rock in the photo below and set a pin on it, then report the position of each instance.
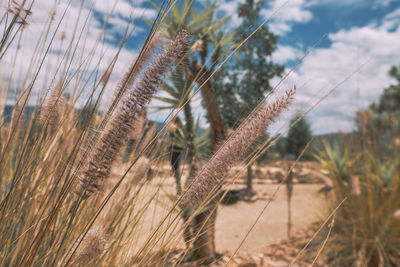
(225, 259)
(280, 264)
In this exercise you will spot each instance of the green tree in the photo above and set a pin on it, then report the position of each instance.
(178, 95)
(242, 84)
(379, 125)
(298, 137)
(387, 109)
(389, 101)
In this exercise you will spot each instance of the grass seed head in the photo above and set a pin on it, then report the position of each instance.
(237, 144)
(117, 132)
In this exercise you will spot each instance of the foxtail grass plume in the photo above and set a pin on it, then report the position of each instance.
(148, 136)
(116, 133)
(396, 214)
(137, 66)
(140, 125)
(141, 170)
(53, 106)
(355, 187)
(396, 141)
(237, 144)
(91, 248)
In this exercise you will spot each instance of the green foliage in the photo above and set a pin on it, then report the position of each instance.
(241, 85)
(389, 101)
(386, 111)
(177, 94)
(379, 125)
(365, 232)
(201, 139)
(298, 137)
(177, 91)
(202, 25)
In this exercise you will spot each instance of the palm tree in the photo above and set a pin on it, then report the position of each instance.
(176, 94)
(209, 45)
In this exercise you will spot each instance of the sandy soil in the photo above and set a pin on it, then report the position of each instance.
(234, 222)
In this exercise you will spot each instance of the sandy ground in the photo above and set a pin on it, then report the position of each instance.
(234, 222)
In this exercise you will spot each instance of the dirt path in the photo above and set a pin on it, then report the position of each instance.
(234, 221)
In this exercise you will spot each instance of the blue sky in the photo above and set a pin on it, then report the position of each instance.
(357, 31)
(332, 16)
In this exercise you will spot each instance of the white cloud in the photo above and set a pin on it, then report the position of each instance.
(285, 53)
(123, 8)
(289, 12)
(325, 68)
(230, 9)
(339, 2)
(89, 51)
(382, 3)
(392, 20)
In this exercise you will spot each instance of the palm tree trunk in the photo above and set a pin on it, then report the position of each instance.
(204, 234)
(191, 152)
(214, 116)
(204, 223)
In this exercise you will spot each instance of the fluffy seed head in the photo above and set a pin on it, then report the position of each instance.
(355, 186)
(116, 134)
(214, 171)
(396, 214)
(137, 66)
(91, 248)
(53, 106)
(139, 172)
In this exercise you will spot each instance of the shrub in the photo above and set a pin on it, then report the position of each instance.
(366, 231)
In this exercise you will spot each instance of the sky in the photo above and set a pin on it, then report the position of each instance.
(342, 72)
